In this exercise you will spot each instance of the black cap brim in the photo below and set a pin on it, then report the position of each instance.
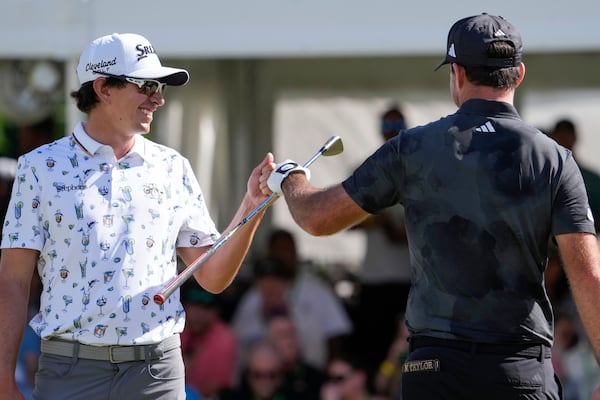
(444, 62)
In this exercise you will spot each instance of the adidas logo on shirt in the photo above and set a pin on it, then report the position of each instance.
(485, 128)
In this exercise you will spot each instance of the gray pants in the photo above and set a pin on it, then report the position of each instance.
(61, 377)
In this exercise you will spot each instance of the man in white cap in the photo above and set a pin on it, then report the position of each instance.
(103, 214)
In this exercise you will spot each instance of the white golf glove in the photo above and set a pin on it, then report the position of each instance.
(282, 170)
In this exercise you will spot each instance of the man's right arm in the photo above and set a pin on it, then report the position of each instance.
(16, 271)
(320, 211)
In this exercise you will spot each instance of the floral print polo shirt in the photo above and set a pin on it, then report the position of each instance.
(107, 232)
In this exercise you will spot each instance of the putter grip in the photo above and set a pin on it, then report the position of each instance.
(159, 299)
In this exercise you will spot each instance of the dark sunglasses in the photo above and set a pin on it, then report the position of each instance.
(394, 125)
(264, 375)
(145, 86)
(338, 378)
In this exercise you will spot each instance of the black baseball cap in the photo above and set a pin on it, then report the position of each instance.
(470, 38)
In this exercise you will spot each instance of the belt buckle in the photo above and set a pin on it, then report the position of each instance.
(110, 355)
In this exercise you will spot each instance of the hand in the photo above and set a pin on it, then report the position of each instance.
(11, 392)
(257, 181)
(282, 170)
(264, 176)
(596, 394)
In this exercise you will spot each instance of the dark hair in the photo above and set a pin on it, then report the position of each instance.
(348, 357)
(501, 78)
(392, 111)
(279, 234)
(564, 124)
(86, 96)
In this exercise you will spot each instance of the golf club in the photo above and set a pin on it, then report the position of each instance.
(332, 147)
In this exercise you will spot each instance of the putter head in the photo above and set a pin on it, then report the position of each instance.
(333, 146)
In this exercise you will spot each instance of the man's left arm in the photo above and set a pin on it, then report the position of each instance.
(218, 272)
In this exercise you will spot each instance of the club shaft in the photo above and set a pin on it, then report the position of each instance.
(177, 281)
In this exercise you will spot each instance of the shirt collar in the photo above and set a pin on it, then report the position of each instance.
(488, 108)
(91, 147)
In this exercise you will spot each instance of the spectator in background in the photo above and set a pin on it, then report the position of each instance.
(321, 320)
(347, 380)
(573, 359)
(208, 344)
(310, 293)
(263, 376)
(385, 274)
(565, 134)
(271, 281)
(300, 378)
(388, 377)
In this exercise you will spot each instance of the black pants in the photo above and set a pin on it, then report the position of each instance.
(439, 369)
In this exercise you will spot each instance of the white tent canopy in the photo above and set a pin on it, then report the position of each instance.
(275, 28)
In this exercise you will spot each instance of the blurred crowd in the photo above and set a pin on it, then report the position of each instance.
(286, 334)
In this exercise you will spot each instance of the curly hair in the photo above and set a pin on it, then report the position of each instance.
(86, 96)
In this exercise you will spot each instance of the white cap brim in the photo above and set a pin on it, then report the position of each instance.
(169, 75)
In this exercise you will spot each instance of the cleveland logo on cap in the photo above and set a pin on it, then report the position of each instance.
(91, 66)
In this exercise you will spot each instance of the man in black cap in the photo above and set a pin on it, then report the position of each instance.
(483, 194)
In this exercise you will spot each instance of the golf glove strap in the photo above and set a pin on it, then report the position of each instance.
(282, 170)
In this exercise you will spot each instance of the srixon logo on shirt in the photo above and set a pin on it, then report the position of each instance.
(144, 51)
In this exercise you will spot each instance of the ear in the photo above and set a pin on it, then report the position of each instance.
(459, 75)
(101, 90)
(521, 74)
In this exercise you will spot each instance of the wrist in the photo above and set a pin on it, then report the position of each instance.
(283, 172)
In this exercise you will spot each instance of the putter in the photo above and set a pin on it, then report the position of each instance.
(332, 147)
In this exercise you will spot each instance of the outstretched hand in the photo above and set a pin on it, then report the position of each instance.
(257, 188)
(265, 172)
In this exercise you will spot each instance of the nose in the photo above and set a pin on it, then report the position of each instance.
(157, 98)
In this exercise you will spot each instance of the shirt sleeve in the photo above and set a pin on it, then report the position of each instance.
(198, 229)
(571, 210)
(23, 225)
(377, 182)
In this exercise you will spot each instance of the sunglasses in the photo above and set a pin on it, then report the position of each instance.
(392, 125)
(145, 86)
(339, 378)
(264, 375)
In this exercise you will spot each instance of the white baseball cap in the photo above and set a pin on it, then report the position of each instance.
(126, 54)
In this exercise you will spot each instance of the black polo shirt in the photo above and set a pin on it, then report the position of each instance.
(483, 193)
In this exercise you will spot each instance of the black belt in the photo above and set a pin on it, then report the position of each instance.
(114, 354)
(534, 350)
